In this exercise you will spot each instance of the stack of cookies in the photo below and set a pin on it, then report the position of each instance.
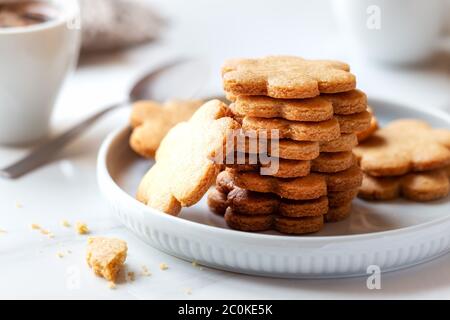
(311, 111)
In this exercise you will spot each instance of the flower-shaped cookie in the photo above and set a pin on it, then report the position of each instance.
(404, 146)
(286, 77)
(417, 186)
(184, 168)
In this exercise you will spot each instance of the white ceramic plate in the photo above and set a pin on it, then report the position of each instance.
(391, 235)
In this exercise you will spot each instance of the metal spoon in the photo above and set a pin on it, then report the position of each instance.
(45, 152)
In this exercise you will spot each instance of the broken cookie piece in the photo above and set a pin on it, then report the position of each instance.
(106, 256)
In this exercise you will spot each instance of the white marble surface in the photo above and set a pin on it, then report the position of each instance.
(66, 189)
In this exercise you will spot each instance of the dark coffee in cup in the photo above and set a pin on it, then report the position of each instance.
(26, 13)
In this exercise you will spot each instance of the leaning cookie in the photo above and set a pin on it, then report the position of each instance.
(418, 186)
(184, 168)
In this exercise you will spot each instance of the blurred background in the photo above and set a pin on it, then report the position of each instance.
(363, 33)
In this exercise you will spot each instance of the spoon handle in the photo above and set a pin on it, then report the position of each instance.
(45, 152)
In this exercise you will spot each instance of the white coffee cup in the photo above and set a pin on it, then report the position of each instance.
(393, 31)
(34, 62)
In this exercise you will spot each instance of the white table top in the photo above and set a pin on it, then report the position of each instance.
(67, 189)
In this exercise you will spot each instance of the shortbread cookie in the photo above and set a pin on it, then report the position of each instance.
(184, 168)
(106, 256)
(340, 198)
(356, 122)
(313, 109)
(344, 180)
(404, 146)
(299, 150)
(287, 149)
(151, 121)
(365, 134)
(283, 169)
(250, 223)
(418, 186)
(350, 102)
(298, 226)
(255, 203)
(310, 187)
(247, 202)
(333, 162)
(295, 130)
(346, 142)
(286, 77)
(336, 214)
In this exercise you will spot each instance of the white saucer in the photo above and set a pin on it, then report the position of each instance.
(390, 235)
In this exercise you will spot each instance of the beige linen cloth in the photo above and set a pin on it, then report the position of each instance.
(115, 24)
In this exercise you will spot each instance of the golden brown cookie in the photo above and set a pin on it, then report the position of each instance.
(283, 169)
(310, 187)
(344, 180)
(356, 122)
(301, 131)
(298, 225)
(333, 162)
(365, 134)
(349, 102)
(250, 223)
(151, 121)
(286, 77)
(299, 150)
(346, 142)
(404, 146)
(417, 186)
(336, 214)
(184, 169)
(313, 109)
(287, 149)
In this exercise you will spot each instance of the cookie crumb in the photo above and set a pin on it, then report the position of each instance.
(145, 272)
(111, 285)
(163, 266)
(18, 205)
(65, 224)
(60, 255)
(3, 231)
(106, 256)
(35, 226)
(81, 228)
